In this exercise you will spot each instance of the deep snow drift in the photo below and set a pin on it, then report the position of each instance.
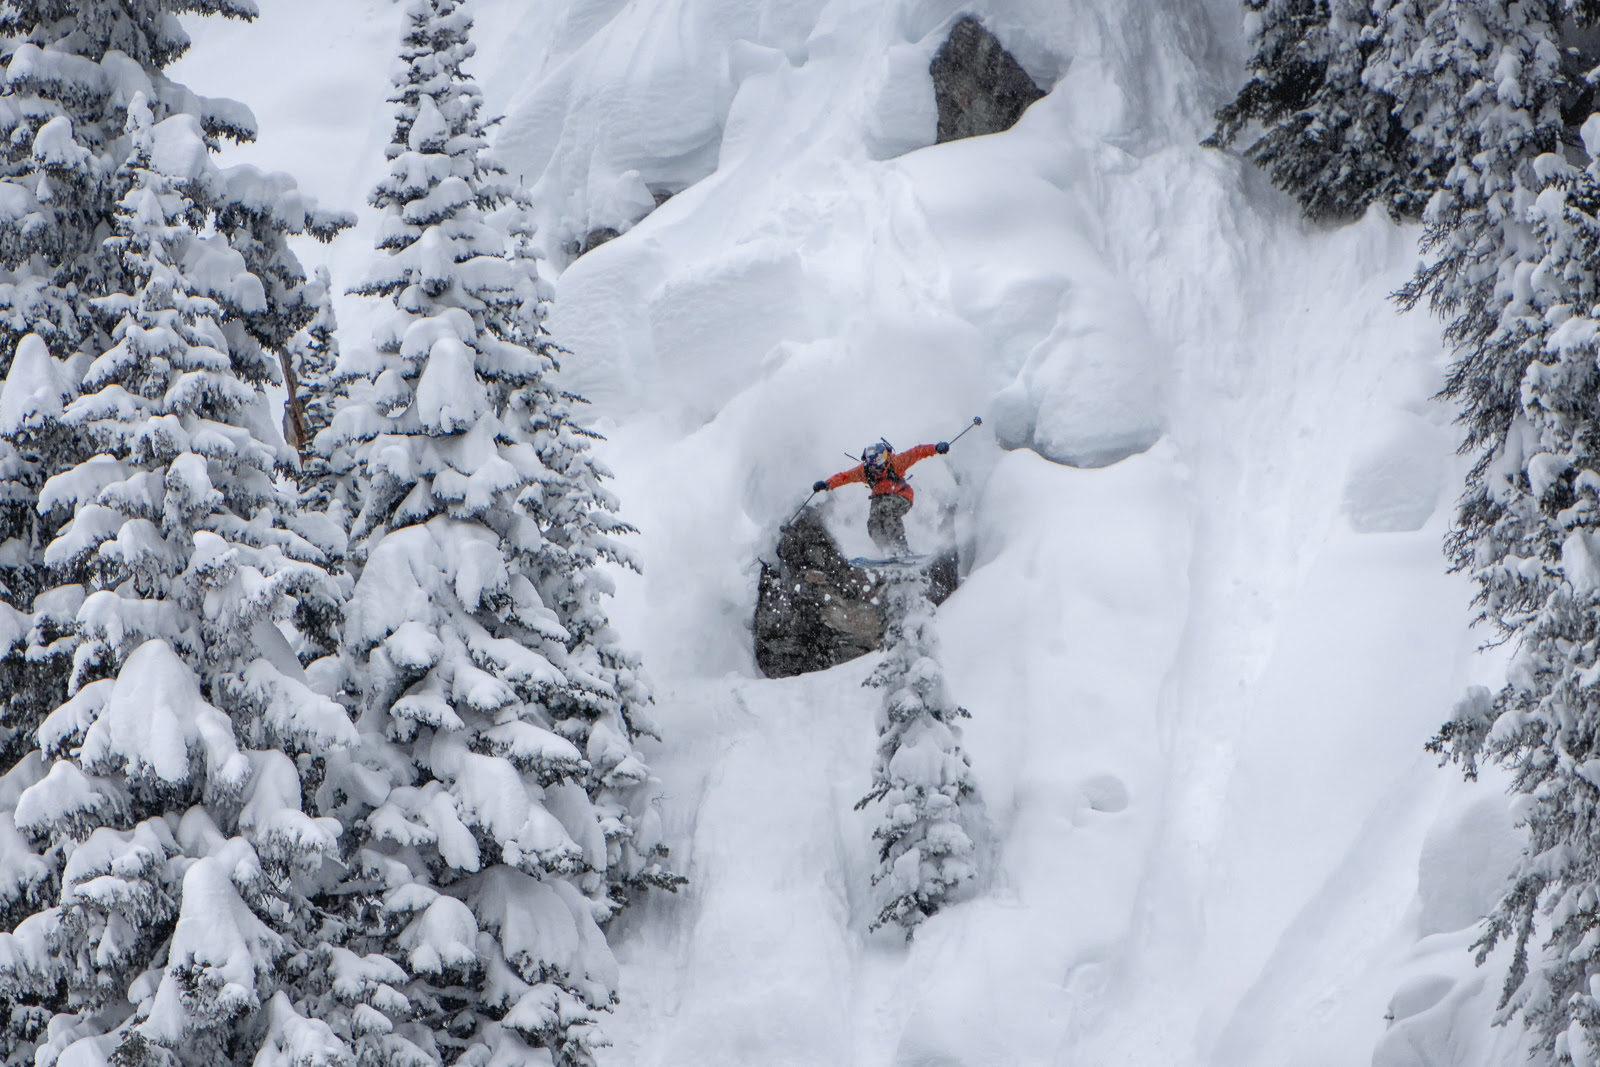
(1205, 629)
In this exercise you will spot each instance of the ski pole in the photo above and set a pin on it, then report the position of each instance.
(798, 510)
(976, 421)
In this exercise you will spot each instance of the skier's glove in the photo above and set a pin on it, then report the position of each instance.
(942, 447)
(819, 487)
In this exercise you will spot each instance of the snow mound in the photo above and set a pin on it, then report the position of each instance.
(1091, 392)
(1465, 861)
(1395, 482)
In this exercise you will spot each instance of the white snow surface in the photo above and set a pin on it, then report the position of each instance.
(1206, 627)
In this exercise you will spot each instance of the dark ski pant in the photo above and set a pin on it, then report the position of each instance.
(886, 523)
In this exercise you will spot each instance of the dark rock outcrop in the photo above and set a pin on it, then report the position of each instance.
(814, 610)
(591, 241)
(977, 85)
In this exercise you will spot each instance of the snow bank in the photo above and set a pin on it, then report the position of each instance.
(1206, 628)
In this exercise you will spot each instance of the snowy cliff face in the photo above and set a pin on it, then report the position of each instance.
(1205, 630)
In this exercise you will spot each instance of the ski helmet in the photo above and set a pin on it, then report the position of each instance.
(876, 454)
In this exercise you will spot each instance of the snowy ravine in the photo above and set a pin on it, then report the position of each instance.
(1205, 630)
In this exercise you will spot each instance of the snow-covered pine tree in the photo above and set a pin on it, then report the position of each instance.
(313, 358)
(36, 646)
(921, 773)
(1491, 86)
(70, 68)
(1482, 83)
(1529, 533)
(606, 708)
(480, 864)
(166, 791)
(61, 123)
(35, 659)
(1327, 136)
(312, 393)
(35, 642)
(1491, 94)
(259, 211)
(70, 71)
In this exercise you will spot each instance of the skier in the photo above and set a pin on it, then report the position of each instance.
(884, 470)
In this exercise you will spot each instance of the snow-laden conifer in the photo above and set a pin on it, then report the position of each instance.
(313, 393)
(69, 75)
(1511, 237)
(70, 71)
(35, 641)
(1327, 135)
(35, 651)
(921, 774)
(55, 158)
(259, 211)
(1528, 535)
(166, 790)
(317, 393)
(1495, 91)
(482, 865)
(605, 706)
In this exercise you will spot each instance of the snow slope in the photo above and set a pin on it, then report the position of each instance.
(1206, 627)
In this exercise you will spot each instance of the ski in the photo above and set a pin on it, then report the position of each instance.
(892, 561)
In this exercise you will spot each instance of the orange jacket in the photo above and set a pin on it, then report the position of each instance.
(893, 480)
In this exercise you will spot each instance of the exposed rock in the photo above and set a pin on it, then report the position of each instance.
(977, 85)
(591, 241)
(600, 235)
(943, 576)
(814, 610)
